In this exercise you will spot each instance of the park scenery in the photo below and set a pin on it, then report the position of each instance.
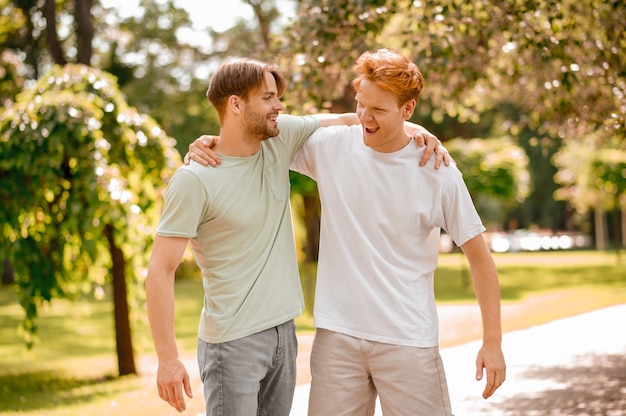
(72, 369)
(101, 100)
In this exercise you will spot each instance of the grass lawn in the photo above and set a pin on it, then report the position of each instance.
(71, 370)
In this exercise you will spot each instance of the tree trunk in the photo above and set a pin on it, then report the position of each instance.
(84, 31)
(312, 224)
(52, 37)
(623, 226)
(8, 275)
(123, 336)
(599, 224)
(30, 44)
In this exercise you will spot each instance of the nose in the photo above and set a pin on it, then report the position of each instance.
(365, 115)
(278, 105)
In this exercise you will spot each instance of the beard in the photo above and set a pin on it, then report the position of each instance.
(258, 126)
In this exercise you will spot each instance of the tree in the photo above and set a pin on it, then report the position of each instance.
(496, 173)
(559, 63)
(158, 73)
(77, 163)
(591, 174)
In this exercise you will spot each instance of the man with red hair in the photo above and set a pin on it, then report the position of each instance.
(382, 215)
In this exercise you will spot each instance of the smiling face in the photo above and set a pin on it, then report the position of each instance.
(382, 117)
(261, 110)
(388, 86)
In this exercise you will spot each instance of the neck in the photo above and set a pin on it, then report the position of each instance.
(237, 145)
(388, 146)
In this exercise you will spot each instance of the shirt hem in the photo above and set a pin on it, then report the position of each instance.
(259, 328)
(425, 343)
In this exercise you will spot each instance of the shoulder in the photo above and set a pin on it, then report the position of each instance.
(286, 121)
(443, 175)
(187, 176)
(348, 134)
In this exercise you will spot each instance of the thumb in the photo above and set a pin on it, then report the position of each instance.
(479, 372)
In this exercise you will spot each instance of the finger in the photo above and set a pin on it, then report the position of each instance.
(215, 159)
(490, 386)
(438, 157)
(187, 386)
(178, 399)
(447, 159)
(196, 158)
(494, 381)
(207, 141)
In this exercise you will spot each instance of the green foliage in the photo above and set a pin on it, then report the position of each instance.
(324, 41)
(591, 172)
(494, 167)
(558, 64)
(496, 174)
(158, 73)
(11, 80)
(610, 172)
(301, 184)
(75, 158)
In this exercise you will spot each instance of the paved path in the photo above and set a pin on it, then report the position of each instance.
(570, 367)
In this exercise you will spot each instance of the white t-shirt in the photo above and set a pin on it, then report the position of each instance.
(238, 218)
(382, 216)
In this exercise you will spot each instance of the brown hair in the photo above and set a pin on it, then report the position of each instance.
(240, 77)
(391, 72)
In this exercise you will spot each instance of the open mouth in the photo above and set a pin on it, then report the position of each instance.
(371, 130)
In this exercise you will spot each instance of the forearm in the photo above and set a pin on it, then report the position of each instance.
(486, 286)
(410, 127)
(161, 310)
(330, 119)
(167, 253)
(487, 292)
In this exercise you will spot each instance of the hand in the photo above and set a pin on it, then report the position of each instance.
(171, 376)
(200, 151)
(491, 360)
(424, 137)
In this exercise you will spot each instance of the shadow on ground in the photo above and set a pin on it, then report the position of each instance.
(596, 385)
(41, 390)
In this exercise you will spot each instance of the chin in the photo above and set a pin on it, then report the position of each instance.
(273, 132)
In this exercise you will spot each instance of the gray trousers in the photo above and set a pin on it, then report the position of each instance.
(250, 376)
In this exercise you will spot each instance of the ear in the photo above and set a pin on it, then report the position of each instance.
(408, 108)
(234, 103)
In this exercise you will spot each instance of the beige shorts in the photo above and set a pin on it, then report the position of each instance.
(349, 373)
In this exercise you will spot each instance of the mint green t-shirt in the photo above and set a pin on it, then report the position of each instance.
(238, 218)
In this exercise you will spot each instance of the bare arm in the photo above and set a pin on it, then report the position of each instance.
(329, 119)
(487, 289)
(422, 137)
(417, 132)
(200, 149)
(172, 376)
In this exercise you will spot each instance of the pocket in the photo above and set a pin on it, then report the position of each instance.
(202, 358)
(276, 175)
